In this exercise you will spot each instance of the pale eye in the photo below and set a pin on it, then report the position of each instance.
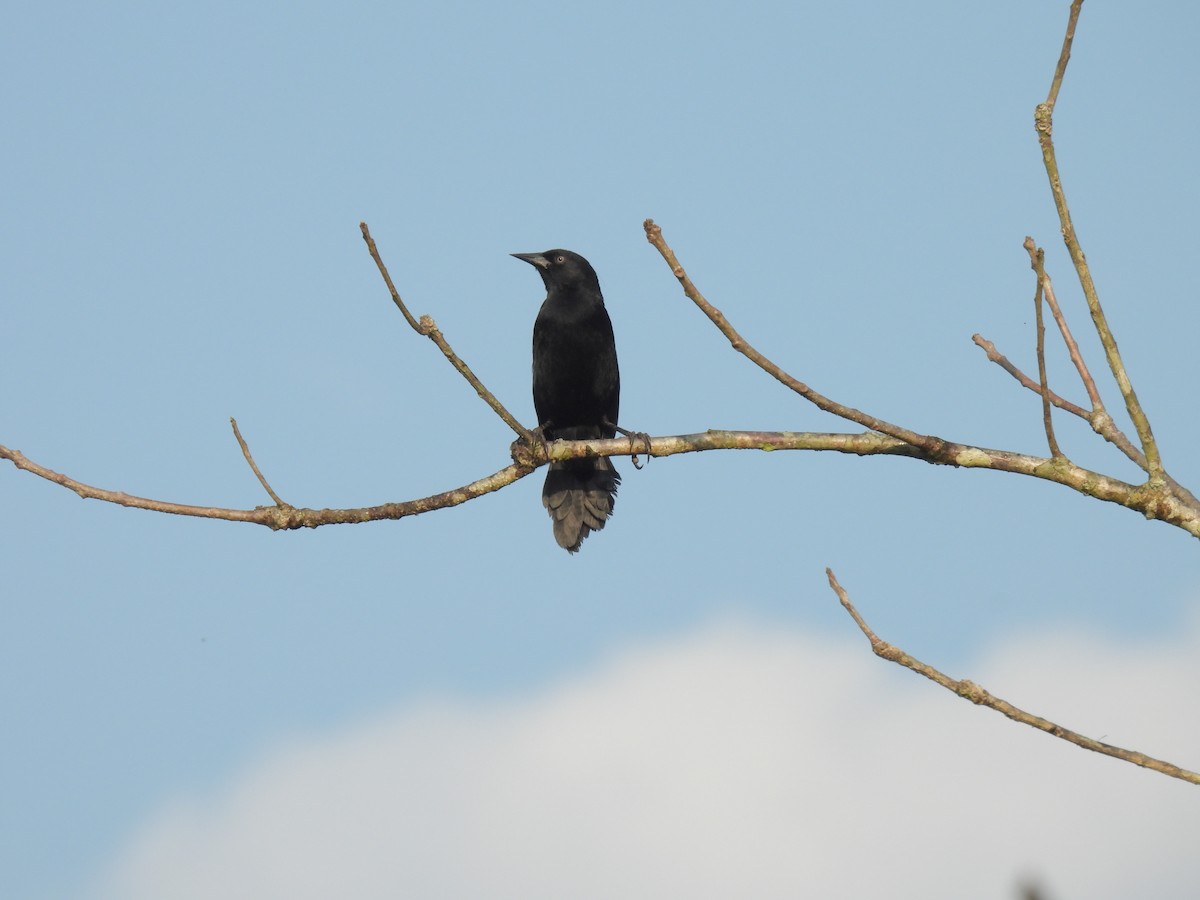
(560, 259)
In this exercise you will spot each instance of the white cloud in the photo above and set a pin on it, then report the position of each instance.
(738, 761)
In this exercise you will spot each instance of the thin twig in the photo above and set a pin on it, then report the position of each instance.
(1063, 57)
(1006, 364)
(1044, 125)
(1064, 329)
(934, 447)
(1044, 390)
(973, 692)
(426, 326)
(253, 465)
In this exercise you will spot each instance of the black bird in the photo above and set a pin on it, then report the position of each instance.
(576, 391)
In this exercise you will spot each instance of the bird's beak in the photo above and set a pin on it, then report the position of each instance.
(534, 259)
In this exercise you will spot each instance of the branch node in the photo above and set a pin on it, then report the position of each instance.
(971, 691)
(1043, 119)
(531, 453)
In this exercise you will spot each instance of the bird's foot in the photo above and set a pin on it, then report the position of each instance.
(636, 439)
(531, 453)
(639, 438)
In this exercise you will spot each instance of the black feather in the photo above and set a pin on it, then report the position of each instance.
(576, 391)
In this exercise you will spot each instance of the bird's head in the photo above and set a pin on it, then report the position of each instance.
(562, 269)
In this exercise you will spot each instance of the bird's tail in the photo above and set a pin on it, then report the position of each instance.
(579, 495)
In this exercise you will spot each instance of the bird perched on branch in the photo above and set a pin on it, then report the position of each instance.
(576, 391)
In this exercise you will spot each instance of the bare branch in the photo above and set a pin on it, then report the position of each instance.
(1182, 506)
(428, 327)
(278, 517)
(250, 459)
(1100, 421)
(1043, 123)
(973, 692)
(934, 447)
(1153, 503)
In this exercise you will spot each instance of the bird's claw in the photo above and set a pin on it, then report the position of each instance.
(639, 437)
(635, 437)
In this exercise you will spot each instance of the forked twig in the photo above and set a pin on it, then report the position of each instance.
(282, 517)
(973, 692)
(1044, 125)
(1180, 509)
(1101, 422)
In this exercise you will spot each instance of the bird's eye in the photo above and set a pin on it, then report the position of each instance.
(560, 259)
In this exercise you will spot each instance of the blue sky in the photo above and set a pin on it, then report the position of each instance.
(851, 185)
